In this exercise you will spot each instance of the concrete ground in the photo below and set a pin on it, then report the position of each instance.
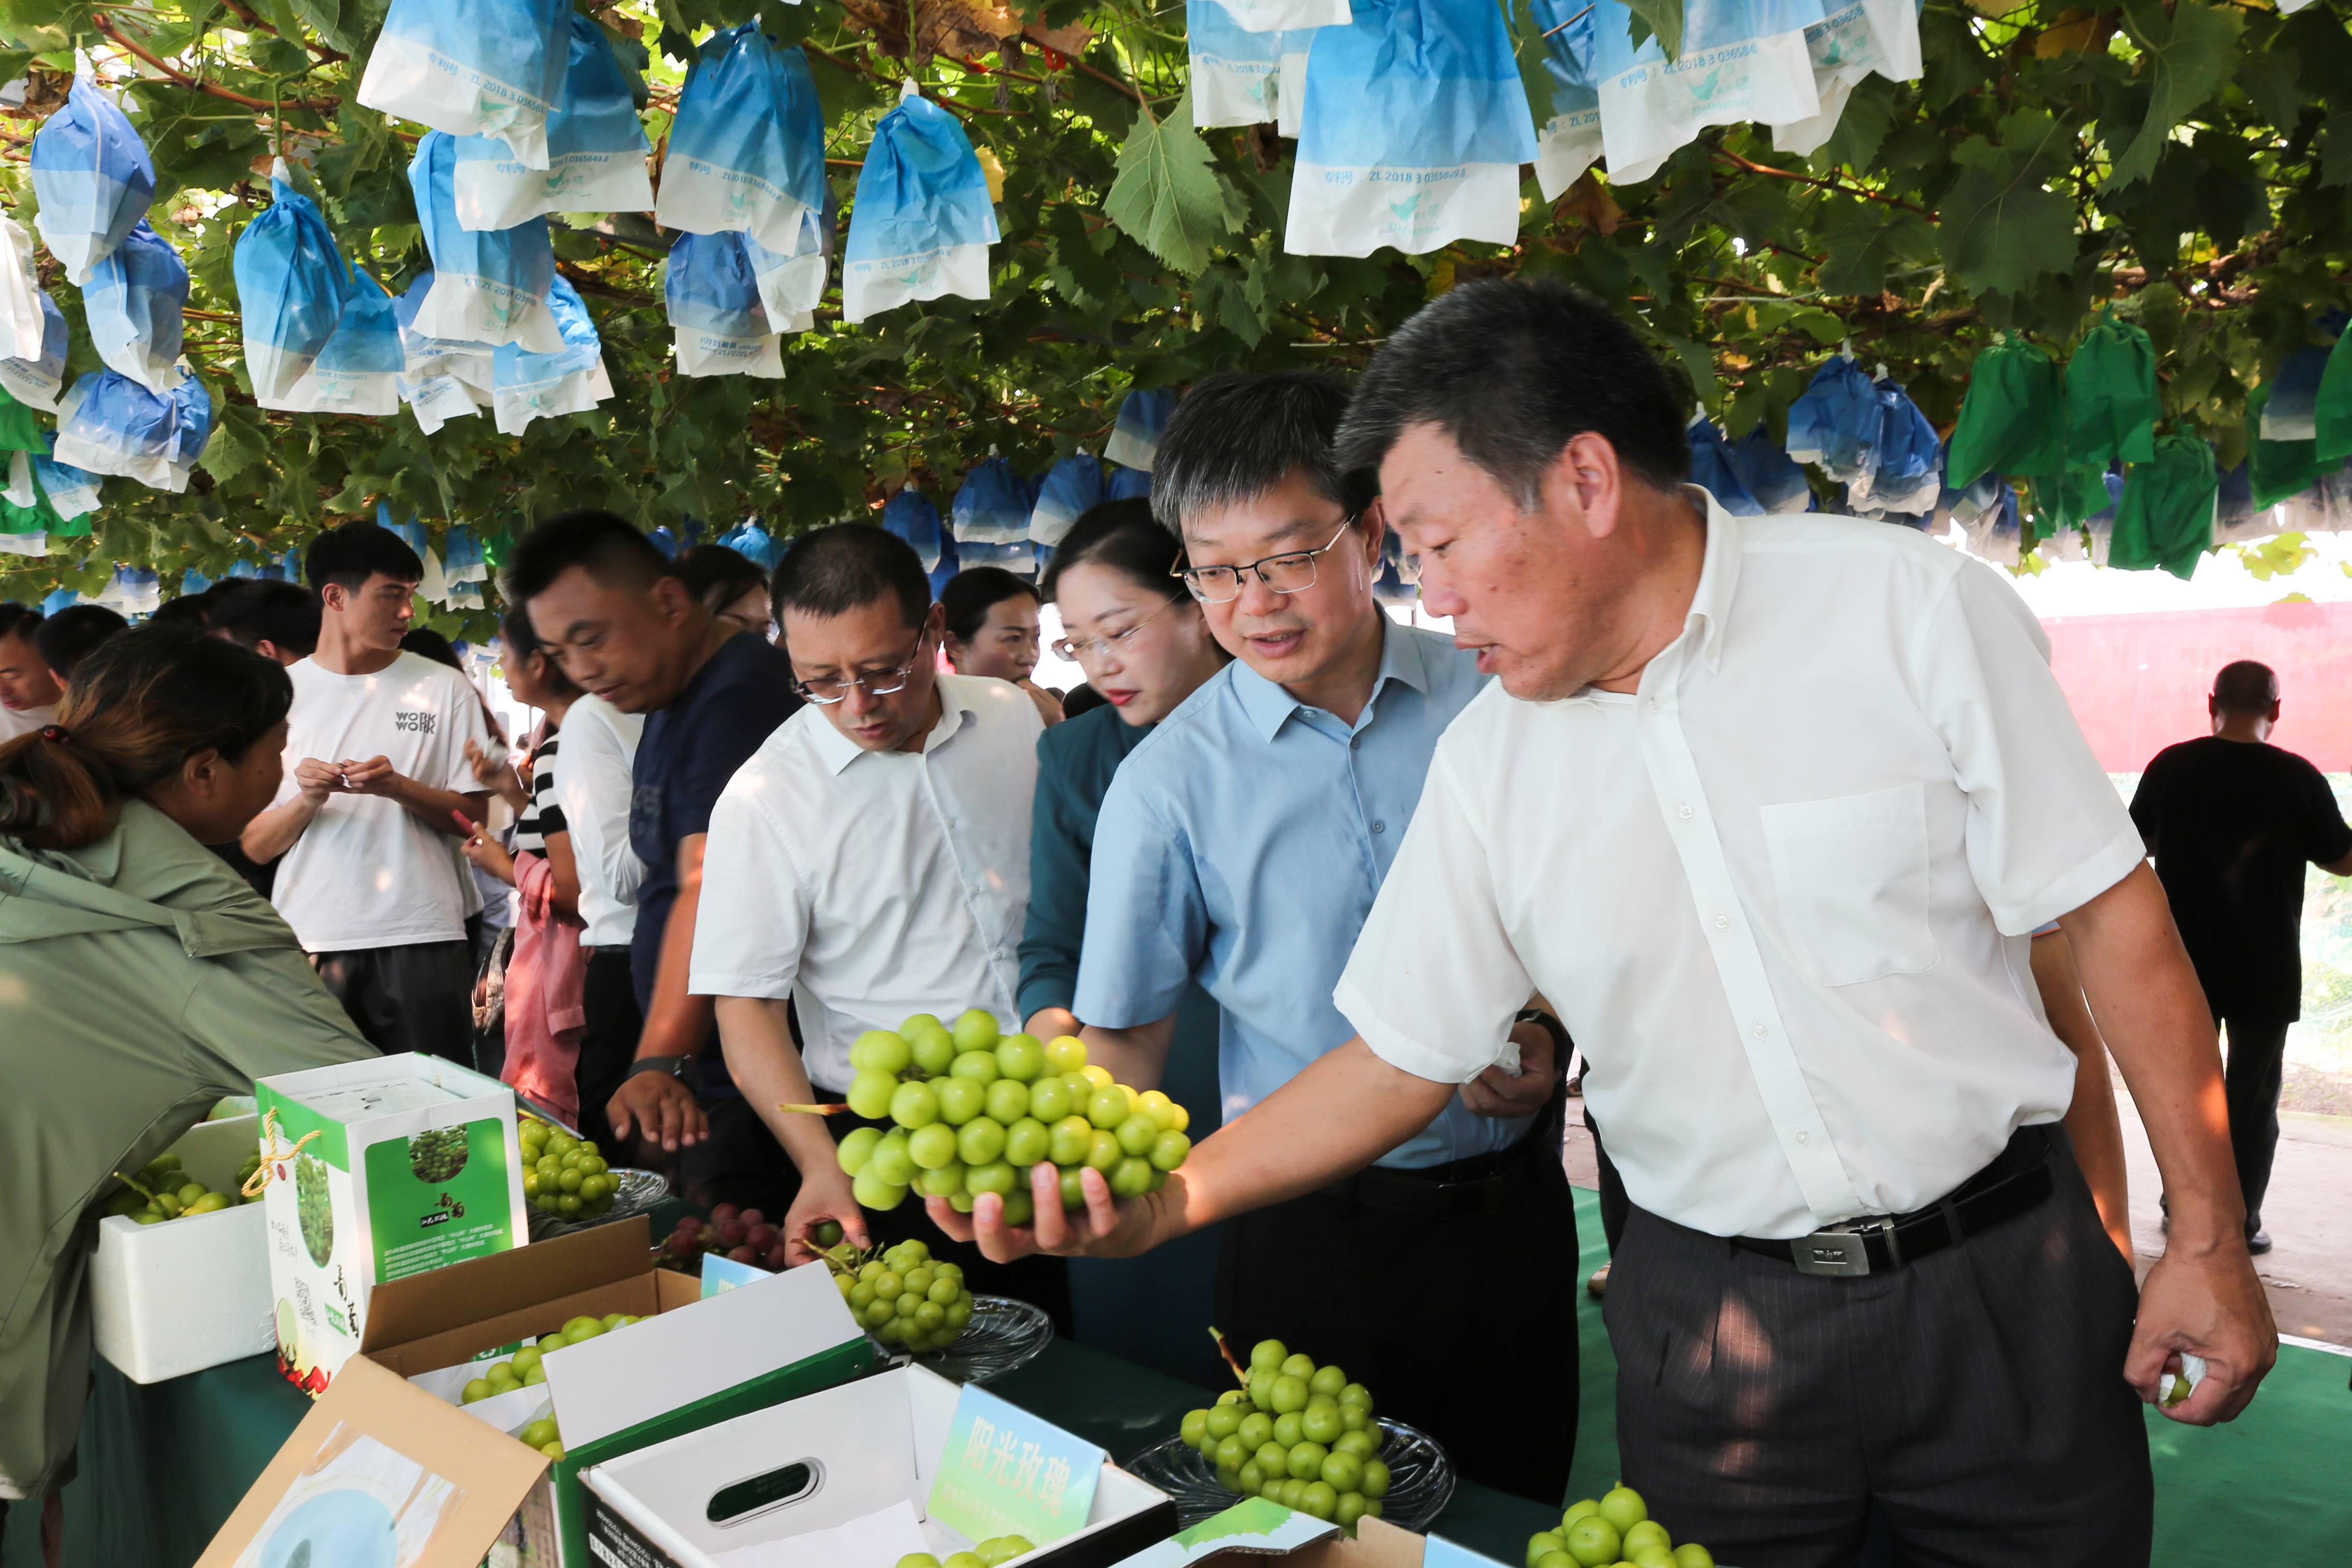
(2308, 1212)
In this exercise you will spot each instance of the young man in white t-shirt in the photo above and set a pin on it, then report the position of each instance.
(376, 777)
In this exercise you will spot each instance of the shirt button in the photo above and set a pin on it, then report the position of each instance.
(1684, 812)
(1380, 827)
(1804, 1137)
(1722, 920)
(1761, 1031)
(1355, 742)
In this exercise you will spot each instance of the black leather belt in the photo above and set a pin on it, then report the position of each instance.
(1481, 1184)
(2017, 1181)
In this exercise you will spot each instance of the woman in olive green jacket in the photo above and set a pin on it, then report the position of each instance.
(140, 980)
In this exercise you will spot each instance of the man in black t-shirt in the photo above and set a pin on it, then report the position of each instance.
(605, 602)
(2231, 821)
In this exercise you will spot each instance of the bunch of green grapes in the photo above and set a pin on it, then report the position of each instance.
(1612, 1531)
(315, 1207)
(163, 1190)
(1299, 1434)
(524, 1369)
(438, 1155)
(900, 1296)
(988, 1553)
(974, 1109)
(566, 1175)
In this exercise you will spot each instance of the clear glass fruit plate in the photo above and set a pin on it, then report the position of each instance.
(638, 1192)
(1420, 1478)
(1003, 1333)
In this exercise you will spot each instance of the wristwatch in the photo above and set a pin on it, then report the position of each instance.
(676, 1067)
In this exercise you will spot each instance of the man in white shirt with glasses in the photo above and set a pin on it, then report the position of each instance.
(870, 861)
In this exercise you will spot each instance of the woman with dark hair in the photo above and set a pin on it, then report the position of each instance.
(1143, 644)
(140, 980)
(547, 968)
(729, 585)
(992, 630)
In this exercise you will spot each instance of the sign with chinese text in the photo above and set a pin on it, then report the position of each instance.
(1007, 1472)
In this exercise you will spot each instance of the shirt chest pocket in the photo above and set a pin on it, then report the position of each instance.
(1852, 873)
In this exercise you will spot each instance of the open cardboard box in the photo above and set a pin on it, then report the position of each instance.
(691, 1362)
(1254, 1530)
(834, 1480)
(172, 1299)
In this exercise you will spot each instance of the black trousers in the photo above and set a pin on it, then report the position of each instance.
(1463, 1324)
(2250, 1082)
(1974, 1400)
(418, 997)
(608, 1040)
(1614, 1206)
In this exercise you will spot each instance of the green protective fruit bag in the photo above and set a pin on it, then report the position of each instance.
(2279, 470)
(20, 427)
(2011, 420)
(2068, 499)
(2112, 404)
(2166, 517)
(2332, 414)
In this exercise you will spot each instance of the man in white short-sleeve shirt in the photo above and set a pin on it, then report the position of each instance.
(366, 820)
(1768, 809)
(871, 860)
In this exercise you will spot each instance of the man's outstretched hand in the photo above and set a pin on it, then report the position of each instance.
(1104, 1228)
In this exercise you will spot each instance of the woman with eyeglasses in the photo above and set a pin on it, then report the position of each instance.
(730, 586)
(992, 630)
(1144, 645)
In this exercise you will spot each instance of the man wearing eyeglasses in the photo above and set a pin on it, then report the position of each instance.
(1241, 846)
(870, 861)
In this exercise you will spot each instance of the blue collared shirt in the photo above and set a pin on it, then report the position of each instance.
(1241, 844)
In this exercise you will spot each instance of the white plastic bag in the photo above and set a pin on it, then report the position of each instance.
(72, 493)
(596, 150)
(22, 321)
(1415, 129)
(923, 222)
(92, 175)
(1234, 72)
(1568, 134)
(473, 67)
(747, 150)
(1852, 41)
(36, 382)
(488, 285)
(1741, 60)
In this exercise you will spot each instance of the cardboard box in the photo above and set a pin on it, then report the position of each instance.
(412, 1164)
(1254, 1531)
(177, 1297)
(691, 1364)
(845, 1479)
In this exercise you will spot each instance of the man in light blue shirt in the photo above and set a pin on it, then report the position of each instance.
(1240, 844)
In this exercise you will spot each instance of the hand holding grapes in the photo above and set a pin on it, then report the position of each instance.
(1104, 1228)
(825, 1196)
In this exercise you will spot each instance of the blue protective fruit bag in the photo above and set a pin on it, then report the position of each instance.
(489, 286)
(991, 508)
(37, 382)
(527, 386)
(1071, 486)
(1413, 131)
(133, 302)
(1767, 472)
(1135, 435)
(290, 286)
(1741, 60)
(1834, 424)
(923, 222)
(359, 370)
(1567, 128)
(718, 323)
(1236, 73)
(910, 515)
(746, 149)
(474, 68)
(1712, 470)
(92, 175)
(108, 424)
(1906, 472)
(596, 150)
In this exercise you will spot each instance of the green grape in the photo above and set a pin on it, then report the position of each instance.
(1298, 1365)
(934, 1050)
(1248, 1479)
(434, 1157)
(961, 1202)
(1272, 1458)
(1320, 1423)
(1158, 1107)
(528, 1357)
(1307, 1460)
(1020, 1207)
(918, 1560)
(1542, 1543)
(1376, 1479)
(1261, 1389)
(1319, 1500)
(990, 1176)
(1354, 1417)
(1065, 1052)
(1343, 1472)
(979, 1141)
(314, 1207)
(1137, 1134)
(942, 1180)
(1328, 1378)
(1169, 1150)
(1021, 1057)
(1103, 1150)
(1074, 1192)
(871, 1192)
(1224, 1422)
(961, 1100)
(1232, 1397)
(1026, 1141)
(1231, 1452)
(960, 1314)
(1068, 1140)
(1107, 1108)
(869, 1094)
(1289, 1393)
(930, 1315)
(1294, 1495)
(975, 1030)
(1266, 1355)
(1050, 1100)
(476, 1389)
(914, 1105)
(884, 1052)
(908, 1306)
(920, 1023)
(539, 1434)
(1256, 1429)
(944, 1290)
(888, 1286)
(1287, 1430)
(892, 1162)
(1008, 1101)
(1130, 1178)
(1357, 1442)
(933, 1147)
(979, 1067)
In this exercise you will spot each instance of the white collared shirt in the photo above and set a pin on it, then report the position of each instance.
(593, 784)
(1781, 896)
(870, 885)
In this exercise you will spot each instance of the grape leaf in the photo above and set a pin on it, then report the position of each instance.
(1861, 241)
(2002, 229)
(1661, 17)
(2186, 56)
(1168, 197)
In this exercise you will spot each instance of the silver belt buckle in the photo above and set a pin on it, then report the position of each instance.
(1840, 1254)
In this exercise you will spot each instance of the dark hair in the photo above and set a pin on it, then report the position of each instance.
(145, 702)
(19, 620)
(1237, 437)
(1511, 372)
(255, 610)
(521, 639)
(348, 556)
(73, 634)
(609, 548)
(195, 609)
(2245, 687)
(847, 566)
(1082, 699)
(432, 645)
(718, 576)
(971, 593)
(1123, 536)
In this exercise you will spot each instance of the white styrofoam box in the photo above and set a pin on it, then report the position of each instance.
(852, 1454)
(172, 1299)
